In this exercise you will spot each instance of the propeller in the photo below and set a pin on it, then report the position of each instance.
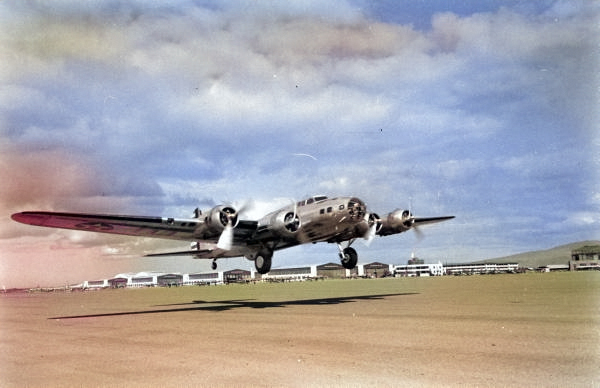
(229, 218)
(418, 233)
(226, 238)
(291, 220)
(373, 222)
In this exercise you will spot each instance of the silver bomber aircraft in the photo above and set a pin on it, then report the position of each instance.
(221, 233)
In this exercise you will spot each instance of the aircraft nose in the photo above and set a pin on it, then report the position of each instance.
(357, 208)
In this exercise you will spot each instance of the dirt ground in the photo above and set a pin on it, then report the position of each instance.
(502, 330)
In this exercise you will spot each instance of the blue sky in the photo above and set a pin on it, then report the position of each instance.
(484, 110)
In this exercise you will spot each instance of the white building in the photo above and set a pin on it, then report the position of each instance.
(483, 268)
(418, 269)
(203, 278)
(95, 284)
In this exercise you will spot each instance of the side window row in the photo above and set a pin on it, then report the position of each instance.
(329, 209)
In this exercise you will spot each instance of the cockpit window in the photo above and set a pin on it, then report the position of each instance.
(316, 198)
(356, 208)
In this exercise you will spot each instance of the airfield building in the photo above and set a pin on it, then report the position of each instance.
(292, 274)
(95, 284)
(237, 276)
(205, 278)
(481, 268)
(331, 270)
(420, 269)
(374, 270)
(585, 258)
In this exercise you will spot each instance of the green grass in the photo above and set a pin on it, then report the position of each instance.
(566, 289)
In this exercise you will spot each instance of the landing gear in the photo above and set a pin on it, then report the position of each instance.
(348, 258)
(262, 262)
(214, 264)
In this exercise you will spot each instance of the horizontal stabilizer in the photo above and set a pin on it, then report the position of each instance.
(213, 253)
(194, 252)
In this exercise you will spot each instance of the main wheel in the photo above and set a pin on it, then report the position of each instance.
(263, 262)
(349, 258)
(214, 265)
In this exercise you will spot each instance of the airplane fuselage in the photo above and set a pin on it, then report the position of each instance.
(316, 219)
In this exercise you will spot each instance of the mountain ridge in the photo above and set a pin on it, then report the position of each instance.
(557, 255)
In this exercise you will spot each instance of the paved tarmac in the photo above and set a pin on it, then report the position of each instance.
(501, 330)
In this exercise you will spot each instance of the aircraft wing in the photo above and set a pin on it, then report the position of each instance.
(430, 220)
(167, 228)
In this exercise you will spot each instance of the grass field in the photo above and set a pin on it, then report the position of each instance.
(502, 330)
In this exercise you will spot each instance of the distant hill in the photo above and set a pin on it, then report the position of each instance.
(557, 255)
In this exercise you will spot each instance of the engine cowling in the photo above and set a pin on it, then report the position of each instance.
(220, 216)
(215, 221)
(285, 223)
(396, 222)
(403, 217)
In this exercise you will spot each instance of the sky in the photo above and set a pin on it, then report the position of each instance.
(485, 110)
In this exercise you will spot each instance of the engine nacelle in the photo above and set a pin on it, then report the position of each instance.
(285, 223)
(215, 221)
(219, 216)
(403, 217)
(396, 222)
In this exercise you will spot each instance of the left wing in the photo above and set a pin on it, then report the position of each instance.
(168, 228)
(158, 227)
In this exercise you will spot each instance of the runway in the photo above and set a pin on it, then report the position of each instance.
(493, 330)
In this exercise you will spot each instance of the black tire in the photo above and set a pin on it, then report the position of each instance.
(262, 263)
(349, 258)
(213, 265)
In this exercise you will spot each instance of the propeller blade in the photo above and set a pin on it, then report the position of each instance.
(370, 234)
(246, 207)
(226, 238)
(418, 232)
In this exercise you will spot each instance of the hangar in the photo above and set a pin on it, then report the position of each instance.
(169, 280)
(237, 276)
(117, 283)
(293, 274)
(331, 270)
(375, 270)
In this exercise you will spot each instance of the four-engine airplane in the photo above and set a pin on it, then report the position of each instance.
(220, 233)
